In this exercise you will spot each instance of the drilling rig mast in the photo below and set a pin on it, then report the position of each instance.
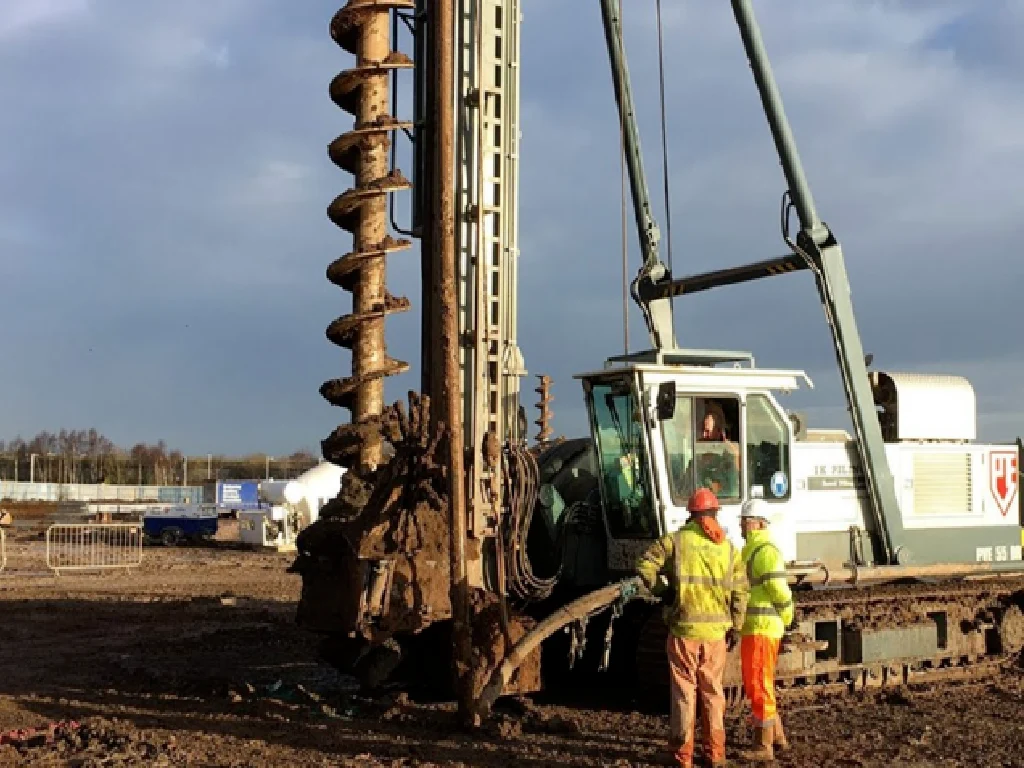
(387, 557)
(487, 248)
(485, 47)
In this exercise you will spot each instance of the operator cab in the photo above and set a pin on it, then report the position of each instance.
(667, 423)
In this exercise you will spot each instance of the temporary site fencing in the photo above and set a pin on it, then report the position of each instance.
(93, 546)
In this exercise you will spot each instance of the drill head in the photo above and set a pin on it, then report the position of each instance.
(362, 28)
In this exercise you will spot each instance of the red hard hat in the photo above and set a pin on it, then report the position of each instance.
(703, 500)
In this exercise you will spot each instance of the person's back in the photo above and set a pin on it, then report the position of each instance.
(704, 570)
(708, 597)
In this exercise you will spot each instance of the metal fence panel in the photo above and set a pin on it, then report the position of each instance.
(93, 546)
(179, 494)
(175, 494)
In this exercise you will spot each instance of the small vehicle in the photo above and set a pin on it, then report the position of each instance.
(177, 524)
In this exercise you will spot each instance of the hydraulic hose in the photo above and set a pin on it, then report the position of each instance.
(590, 604)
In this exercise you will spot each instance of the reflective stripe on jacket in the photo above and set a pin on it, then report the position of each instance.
(708, 578)
(770, 607)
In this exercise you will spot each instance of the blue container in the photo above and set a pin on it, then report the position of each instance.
(238, 494)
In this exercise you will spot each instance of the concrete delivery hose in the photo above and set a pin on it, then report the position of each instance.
(590, 604)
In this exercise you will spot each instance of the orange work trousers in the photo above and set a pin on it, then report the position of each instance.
(696, 668)
(759, 655)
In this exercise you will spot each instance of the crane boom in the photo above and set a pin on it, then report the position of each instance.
(814, 248)
(816, 243)
(654, 273)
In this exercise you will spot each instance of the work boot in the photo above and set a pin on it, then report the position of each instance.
(762, 752)
(714, 748)
(683, 756)
(779, 737)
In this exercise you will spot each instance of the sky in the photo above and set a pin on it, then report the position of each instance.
(164, 180)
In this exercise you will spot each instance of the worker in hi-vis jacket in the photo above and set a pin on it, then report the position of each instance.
(769, 613)
(705, 595)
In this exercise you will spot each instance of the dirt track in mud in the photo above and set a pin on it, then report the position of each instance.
(194, 659)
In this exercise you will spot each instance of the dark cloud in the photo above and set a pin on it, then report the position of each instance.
(164, 184)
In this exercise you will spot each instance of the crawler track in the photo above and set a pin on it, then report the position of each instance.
(879, 636)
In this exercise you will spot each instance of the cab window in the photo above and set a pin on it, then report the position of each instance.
(768, 450)
(623, 462)
(701, 450)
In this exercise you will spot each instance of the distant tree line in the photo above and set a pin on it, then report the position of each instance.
(86, 456)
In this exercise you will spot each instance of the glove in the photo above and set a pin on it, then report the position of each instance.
(664, 591)
(732, 637)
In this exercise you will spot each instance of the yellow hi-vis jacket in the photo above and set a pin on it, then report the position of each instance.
(708, 578)
(770, 608)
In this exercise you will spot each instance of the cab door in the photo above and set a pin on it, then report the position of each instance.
(629, 493)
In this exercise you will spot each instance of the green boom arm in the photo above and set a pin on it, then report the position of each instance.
(657, 311)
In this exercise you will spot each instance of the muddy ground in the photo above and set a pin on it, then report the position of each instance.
(194, 660)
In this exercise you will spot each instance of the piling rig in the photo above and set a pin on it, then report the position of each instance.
(920, 524)
(378, 566)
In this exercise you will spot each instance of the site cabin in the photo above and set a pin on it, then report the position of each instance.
(231, 496)
(958, 500)
(179, 523)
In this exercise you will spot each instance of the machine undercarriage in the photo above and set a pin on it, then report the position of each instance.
(868, 633)
(884, 635)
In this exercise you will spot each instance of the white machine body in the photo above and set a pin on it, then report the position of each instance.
(958, 500)
(292, 505)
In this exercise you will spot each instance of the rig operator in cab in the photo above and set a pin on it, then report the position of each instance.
(705, 593)
(713, 425)
(717, 467)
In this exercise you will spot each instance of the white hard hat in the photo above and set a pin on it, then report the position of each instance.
(756, 508)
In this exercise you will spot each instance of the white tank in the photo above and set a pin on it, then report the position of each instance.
(280, 491)
(307, 493)
(322, 481)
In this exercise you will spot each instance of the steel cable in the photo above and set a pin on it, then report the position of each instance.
(664, 135)
(622, 193)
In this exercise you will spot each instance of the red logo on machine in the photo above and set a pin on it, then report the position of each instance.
(1003, 472)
